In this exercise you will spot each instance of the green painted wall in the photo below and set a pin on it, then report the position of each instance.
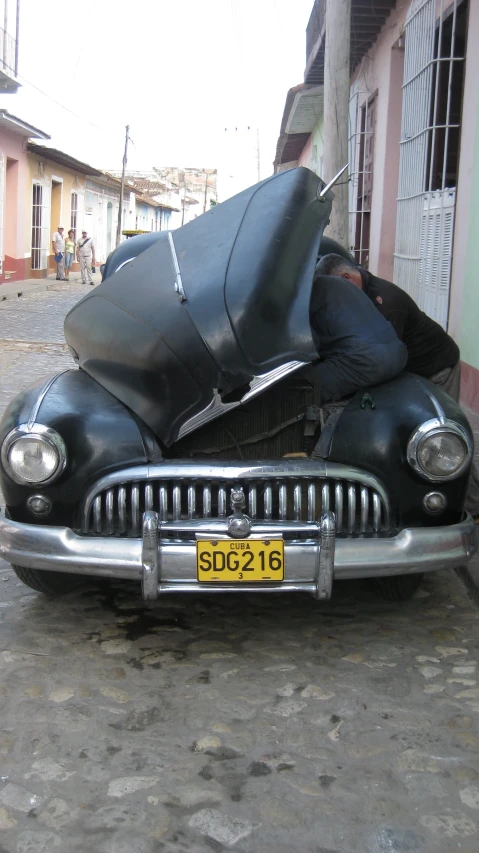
(469, 335)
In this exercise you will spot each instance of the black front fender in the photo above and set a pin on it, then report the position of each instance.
(376, 440)
(100, 435)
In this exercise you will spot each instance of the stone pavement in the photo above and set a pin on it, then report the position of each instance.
(255, 724)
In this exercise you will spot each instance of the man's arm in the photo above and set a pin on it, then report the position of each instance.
(357, 346)
(92, 253)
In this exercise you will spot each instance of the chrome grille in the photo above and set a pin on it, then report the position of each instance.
(360, 508)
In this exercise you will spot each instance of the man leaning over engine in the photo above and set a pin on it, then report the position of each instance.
(357, 347)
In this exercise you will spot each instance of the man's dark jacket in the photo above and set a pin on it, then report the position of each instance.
(357, 347)
(430, 348)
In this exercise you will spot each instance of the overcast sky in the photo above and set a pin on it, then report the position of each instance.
(177, 71)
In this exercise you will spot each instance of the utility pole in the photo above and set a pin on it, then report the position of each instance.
(206, 192)
(122, 187)
(184, 204)
(336, 111)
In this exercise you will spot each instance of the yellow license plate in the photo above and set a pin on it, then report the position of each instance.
(239, 560)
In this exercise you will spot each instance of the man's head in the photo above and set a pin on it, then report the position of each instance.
(61, 229)
(84, 233)
(341, 267)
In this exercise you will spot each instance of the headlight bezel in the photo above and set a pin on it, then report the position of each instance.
(428, 429)
(42, 433)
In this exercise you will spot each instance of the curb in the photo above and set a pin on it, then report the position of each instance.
(22, 291)
(25, 289)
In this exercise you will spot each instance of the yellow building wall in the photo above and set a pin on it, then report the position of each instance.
(62, 181)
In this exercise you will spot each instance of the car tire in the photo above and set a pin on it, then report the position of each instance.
(50, 583)
(397, 587)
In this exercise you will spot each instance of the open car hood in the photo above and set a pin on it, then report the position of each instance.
(213, 312)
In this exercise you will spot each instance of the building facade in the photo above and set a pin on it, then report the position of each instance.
(14, 189)
(413, 152)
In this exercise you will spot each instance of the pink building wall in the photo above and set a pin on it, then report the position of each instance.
(305, 156)
(15, 205)
(382, 72)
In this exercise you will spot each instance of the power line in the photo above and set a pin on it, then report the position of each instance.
(67, 109)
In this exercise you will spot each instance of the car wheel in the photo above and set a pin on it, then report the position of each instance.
(51, 583)
(397, 587)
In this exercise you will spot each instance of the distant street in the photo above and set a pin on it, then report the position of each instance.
(258, 724)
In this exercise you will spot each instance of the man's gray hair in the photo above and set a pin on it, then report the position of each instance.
(334, 265)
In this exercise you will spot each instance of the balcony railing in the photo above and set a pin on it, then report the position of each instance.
(315, 25)
(8, 54)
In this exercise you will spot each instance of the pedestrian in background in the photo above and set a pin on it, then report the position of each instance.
(85, 256)
(69, 252)
(58, 244)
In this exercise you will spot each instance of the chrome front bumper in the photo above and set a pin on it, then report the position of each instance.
(164, 566)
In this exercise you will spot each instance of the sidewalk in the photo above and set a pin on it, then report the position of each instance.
(15, 289)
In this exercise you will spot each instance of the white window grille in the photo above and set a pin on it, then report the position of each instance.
(429, 156)
(41, 204)
(74, 214)
(362, 121)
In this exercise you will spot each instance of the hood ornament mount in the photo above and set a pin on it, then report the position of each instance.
(239, 525)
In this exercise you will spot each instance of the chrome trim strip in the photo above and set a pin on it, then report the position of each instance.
(376, 513)
(253, 500)
(283, 502)
(207, 500)
(163, 501)
(135, 509)
(109, 512)
(338, 505)
(176, 502)
(221, 502)
(41, 396)
(351, 508)
(123, 264)
(256, 386)
(264, 380)
(178, 282)
(311, 501)
(148, 496)
(297, 501)
(97, 514)
(364, 509)
(60, 549)
(325, 497)
(435, 402)
(122, 509)
(268, 501)
(191, 501)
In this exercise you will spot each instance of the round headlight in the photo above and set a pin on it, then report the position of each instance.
(439, 450)
(441, 454)
(33, 456)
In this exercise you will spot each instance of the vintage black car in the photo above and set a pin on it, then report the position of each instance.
(186, 451)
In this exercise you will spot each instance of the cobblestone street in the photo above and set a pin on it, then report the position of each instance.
(258, 724)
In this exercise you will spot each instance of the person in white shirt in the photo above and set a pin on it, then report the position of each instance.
(58, 244)
(85, 256)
